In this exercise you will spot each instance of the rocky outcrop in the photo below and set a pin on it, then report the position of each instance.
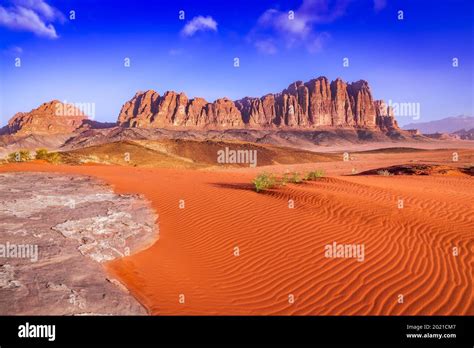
(465, 134)
(57, 229)
(413, 131)
(316, 103)
(384, 116)
(150, 110)
(53, 117)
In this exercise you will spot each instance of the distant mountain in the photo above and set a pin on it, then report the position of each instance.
(465, 134)
(313, 105)
(445, 125)
(316, 103)
(46, 119)
(51, 118)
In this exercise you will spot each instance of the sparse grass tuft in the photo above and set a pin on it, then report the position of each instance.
(264, 181)
(54, 157)
(315, 175)
(296, 178)
(19, 156)
(51, 157)
(285, 179)
(41, 154)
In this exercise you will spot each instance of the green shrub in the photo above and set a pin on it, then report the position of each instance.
(315, 174)
(296, 178)
(285, 179)
(19, 156)
(264, 181)
(41, 154)
(54, 157)
(51, 157)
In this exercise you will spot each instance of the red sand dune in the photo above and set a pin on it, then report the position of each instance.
(407, 251)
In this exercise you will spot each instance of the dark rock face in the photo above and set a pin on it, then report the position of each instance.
(315, 103)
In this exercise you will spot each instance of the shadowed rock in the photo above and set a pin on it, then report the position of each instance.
(421, 169)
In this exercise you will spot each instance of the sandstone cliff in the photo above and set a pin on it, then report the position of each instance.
(53, 117)
(313, 104)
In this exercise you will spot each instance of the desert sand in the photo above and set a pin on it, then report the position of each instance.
(193, 270)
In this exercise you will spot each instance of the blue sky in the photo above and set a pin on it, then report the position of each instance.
(82, 60)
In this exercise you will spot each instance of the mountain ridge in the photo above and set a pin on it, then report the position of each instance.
(302, 105)
(445, 125)
(312, 104)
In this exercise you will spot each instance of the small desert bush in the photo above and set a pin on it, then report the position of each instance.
(41, 154)
(315, 174)
(292, 178)
(264, 181)
(384, 172)
(295, 178)
(52, 157)
(285, 179)
(19, 156)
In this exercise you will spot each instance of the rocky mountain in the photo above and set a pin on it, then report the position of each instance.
(53, 117)
(313, 104)
(465, 134)
(445, 125)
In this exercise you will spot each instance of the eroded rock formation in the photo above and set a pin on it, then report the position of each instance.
(313, 104)
(52, 117)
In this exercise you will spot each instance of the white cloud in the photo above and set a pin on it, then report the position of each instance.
(199, 23)
(35, 16)
(42, 8)
(281, 22)
(299, 27)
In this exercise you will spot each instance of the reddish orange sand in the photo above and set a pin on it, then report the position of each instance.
(408, 251)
